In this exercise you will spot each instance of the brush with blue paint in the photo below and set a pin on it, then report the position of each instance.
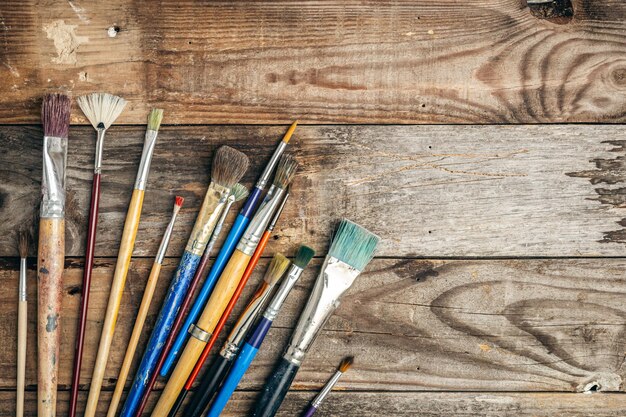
(251, 347)
(229, 165)
(351, 250)
(227, 250)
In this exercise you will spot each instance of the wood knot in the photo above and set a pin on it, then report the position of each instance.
(619, 77)
(555, 11)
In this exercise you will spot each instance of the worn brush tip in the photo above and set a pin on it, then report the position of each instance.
(178, 202)
(276, 269)
(303, 256)
(353, 244)
(346, 363)
(101, 109)
(229, 165)
(154, 119)
(55, 115)
(287, 167)
(290, 131)
(22, 243)
(239, 192)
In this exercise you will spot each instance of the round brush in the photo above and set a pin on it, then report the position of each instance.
(22, 320)
(319, 398)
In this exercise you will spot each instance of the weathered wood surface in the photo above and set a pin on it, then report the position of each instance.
(474, 325)
(430, 191)
(448, 61)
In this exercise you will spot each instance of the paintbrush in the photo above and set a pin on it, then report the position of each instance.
(351, 250)
(125, 252)
(206, 383)
(253, 344)
(143, 310)
(55, 115)
(229, 165)
(101, 110)
(238, 192)
(226, 285)
(22, 320)
(345, 364)
(236, 231)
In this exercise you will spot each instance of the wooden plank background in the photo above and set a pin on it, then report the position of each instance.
(484, 145)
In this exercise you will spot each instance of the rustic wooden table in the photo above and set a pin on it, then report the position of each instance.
(481, 142)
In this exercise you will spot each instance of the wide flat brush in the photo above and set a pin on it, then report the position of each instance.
(55, 115)
(22, 320)
(345, 364)
(143, 310)
(236, 231)
(101, 110)
(351, 250)
(226, 285)
(253, 344)
(127, 243)
(228, 167)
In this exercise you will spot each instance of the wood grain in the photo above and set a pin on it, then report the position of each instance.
(334, 61)
(473, 325)
(431, 191)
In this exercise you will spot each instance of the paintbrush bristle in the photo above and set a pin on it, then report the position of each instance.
(287, 167)
(346, 363)
(101, 108)
(229, 165)
(22, 243)
(290, 131)
(276, 269)
(55, 115)
(303, 256)
(178, 203)
(239, 192)
(154, 119)
(353, 244)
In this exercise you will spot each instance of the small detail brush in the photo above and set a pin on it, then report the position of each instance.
(101, 109)
(253, 344)
(127, 243)
(226, 285)
(205, 389)
(228, 167)
(236, 231)
(143, 310)
(22, 320)
(351, 250)
(319, 398)
(55, 115)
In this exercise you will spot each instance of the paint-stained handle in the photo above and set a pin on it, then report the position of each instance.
(50, 265)
(127, 244)
(275, 389)
(21, 356)
(208, 387)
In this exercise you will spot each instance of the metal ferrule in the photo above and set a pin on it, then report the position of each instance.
(22, 284)
(259, 222)
(165, 240)
(269, 168)
(319, 398)
(283, 291)
(146, 158)
(333, 281)
(210, 212)
(53, 179)
(97, 164)
(220, 224)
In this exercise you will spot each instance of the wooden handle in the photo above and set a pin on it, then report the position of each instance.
(221, 295)
(21, 356)
(134, 338)
(115, 298)
(50, 265)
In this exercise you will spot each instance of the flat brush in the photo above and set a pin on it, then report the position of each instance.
(226, 285)
(143, 310)
(236, 231)
(238, 192)
(351, 250)
(22, 320)
(253, 344)
(220, 325)
(319, 398)
(101, 109)
(228, 167)
(55, 115)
